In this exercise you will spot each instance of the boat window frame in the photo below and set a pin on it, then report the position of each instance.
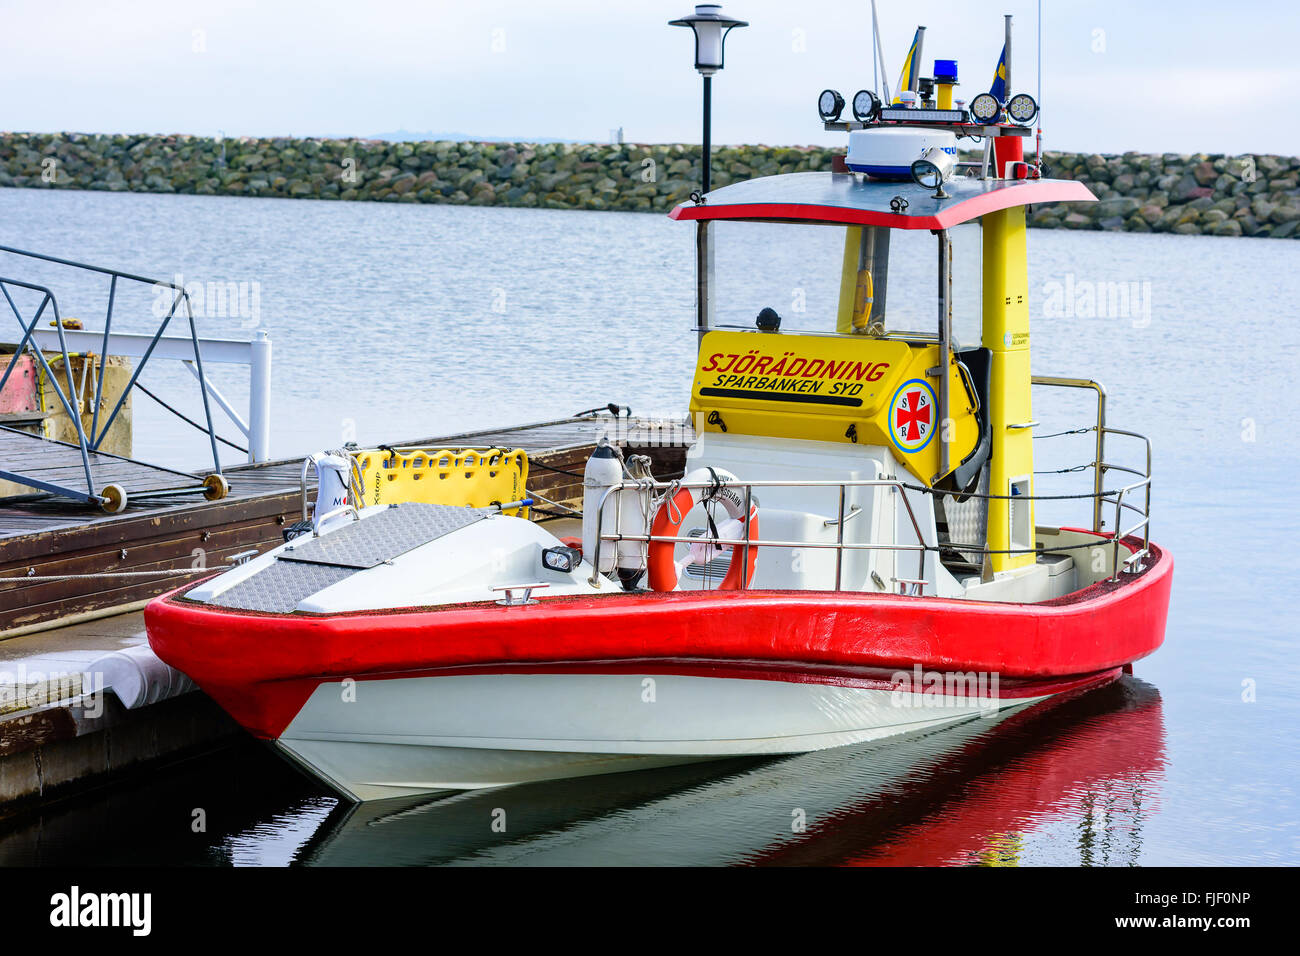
(706, 286)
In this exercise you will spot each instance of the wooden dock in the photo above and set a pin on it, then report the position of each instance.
(60, 464)
(84, 564)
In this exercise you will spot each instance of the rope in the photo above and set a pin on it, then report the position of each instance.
(547, 513)
(670, 497)
(557, 504)
(1103, 542)
(1062, 471)
(1072, 431)
(709, 498)
(185, 418)
(613, 408)
(103, 574)
(534, 463)
(975, 494)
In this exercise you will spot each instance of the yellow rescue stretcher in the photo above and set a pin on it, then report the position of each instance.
(476, 477)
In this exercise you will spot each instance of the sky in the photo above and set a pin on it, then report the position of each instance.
(1197, 75)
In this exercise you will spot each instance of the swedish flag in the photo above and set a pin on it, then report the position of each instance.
(999, 87)
(911, 65)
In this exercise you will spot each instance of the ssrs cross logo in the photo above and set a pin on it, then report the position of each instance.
(911, 416)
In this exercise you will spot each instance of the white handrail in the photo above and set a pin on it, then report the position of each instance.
(256, 354)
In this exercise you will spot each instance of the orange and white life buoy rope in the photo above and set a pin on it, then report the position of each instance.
(663, 570)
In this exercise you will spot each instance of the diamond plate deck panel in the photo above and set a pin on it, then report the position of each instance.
(371, 541)
(279, 588)
(314, 564)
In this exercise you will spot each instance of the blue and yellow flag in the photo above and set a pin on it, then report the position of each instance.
(999, 87)
(911, 66)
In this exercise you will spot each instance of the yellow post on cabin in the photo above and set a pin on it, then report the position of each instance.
(848, 279)
(1006, 335)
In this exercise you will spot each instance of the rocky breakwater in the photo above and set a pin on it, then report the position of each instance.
(1199, 194)
(1250, 195)
(549, 175)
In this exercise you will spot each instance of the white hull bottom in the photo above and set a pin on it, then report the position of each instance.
(377, 739)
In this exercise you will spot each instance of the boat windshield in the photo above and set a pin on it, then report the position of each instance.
(795, 269)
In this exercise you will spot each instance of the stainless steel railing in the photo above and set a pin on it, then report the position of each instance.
(1098, 473)
(1134, 561)
(661, 491)
(354, 482)
(665, 490)
(1101, 467)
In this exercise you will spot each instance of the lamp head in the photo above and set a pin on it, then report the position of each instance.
(710, 26)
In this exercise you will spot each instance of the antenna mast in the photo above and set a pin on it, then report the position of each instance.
(1038, 147)
(1006, 88)
(880, 52)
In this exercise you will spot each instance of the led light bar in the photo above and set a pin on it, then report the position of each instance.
(895, 114)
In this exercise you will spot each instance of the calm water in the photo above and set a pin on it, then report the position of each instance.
(394, 321)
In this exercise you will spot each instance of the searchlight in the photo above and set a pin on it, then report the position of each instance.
(933, 169)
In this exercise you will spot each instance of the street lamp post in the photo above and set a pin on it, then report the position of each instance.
(711, 27)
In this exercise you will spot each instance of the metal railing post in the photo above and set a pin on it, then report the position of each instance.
(203, 390)
(103, 356)
(703, 278)
(1099, 462)
(744, 566)
(1099, 467)
(74, 412)
(1114, 561)
(945, 349)
(95, 440)
(839, 541)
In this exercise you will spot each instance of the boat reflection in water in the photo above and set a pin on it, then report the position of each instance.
(1089, 766)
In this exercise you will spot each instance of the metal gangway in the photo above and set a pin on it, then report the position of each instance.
(83, 472)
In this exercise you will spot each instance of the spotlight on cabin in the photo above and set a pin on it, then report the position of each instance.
(932, 170)
(830, 105)
(1022, 108)
(866, 106)
(985, 108)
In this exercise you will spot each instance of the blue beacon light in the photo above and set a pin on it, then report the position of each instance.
(945, 78)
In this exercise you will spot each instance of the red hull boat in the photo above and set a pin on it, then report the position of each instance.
(900, 580)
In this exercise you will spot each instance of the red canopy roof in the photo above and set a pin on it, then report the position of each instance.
(847, 199)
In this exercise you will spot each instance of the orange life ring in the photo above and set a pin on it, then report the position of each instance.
(668, 522)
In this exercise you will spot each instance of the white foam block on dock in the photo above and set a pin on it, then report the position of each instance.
(135, 674)
(139, 678)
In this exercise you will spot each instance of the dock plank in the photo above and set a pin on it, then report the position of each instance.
(59, 463)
